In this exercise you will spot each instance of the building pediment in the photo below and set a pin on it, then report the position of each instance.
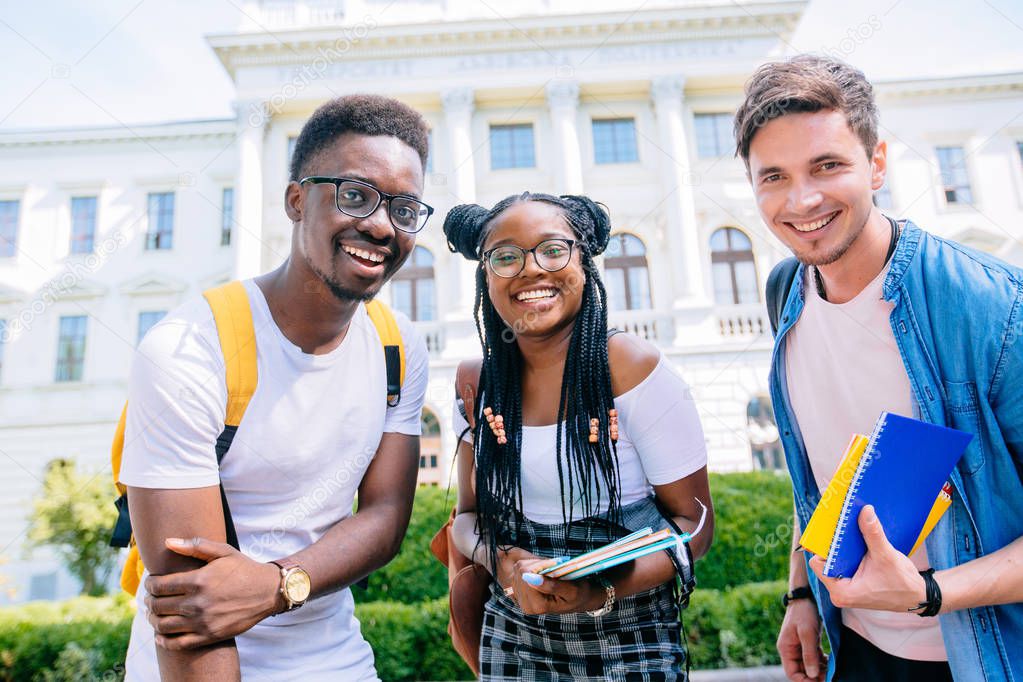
(66, 288)
(980, 239)
(216, 280)
(9, 295)
(152, 285)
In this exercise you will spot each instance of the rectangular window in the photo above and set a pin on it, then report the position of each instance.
(160, 231)
(954, 179)
(511, 146)
(614, 141)
(291, 151)
(429, 153)
(83, 224)
(146, 321)
(8, 228)
(226, 215)
(713, 135)
(1019, 148)
(3, 342)
(71, 348)
(422, 461)
(433, 461)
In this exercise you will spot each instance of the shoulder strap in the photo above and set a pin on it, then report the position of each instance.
(233, 317)
(394, 348)
(779, 284)
(467, 380)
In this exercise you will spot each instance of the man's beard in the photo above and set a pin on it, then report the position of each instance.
(341, 292)
(834, 254)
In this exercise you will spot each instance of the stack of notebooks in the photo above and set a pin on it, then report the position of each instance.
(902, 470)
(629, 548)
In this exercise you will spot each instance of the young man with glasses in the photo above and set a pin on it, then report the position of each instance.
(317, 431)
(883, 316)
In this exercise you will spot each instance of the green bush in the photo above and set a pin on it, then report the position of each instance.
(415, 575)
(36, 636)
(752, 530)
(86, 638)
(411, 641)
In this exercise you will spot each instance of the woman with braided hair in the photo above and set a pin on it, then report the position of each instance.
(577, 439)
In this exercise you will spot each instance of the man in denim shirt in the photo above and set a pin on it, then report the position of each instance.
(883, 316)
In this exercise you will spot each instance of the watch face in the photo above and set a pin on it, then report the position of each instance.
(296, 586)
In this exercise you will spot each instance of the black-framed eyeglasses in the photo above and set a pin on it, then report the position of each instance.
(360, 200)
(509, 260)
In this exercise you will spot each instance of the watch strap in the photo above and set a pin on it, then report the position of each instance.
(803, 592)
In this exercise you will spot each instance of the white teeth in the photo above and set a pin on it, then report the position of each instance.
(365, 255)
(810, 227)
(535, 294)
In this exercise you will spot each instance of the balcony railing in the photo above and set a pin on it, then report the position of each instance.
(742, 321)
(433, 333)
(645, 324)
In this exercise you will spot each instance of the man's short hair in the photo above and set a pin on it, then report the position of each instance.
(805, 84)
(364, 115)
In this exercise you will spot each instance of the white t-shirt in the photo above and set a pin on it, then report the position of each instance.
(296, 462)
(660, 440)
(843, 370)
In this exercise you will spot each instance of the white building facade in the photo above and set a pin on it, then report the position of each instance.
(104, 230)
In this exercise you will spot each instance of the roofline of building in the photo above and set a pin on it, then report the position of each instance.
(774, 18)
(216, 128)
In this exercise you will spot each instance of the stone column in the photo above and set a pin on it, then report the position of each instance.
(563, 101)
(247, 237)
(461, 181)
(677, 186)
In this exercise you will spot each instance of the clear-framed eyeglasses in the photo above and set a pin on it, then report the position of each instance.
(360, 199)
(509, 260)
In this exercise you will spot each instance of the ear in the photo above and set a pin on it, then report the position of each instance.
(879, 165)
(294, 201)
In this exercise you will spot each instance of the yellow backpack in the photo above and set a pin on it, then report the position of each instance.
(233, 317)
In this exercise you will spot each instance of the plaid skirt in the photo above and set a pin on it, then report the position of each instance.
(640, 639)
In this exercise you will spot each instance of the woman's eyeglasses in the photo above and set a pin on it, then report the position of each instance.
(509, 260)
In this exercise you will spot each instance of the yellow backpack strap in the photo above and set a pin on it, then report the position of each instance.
(394, 349)
(233, 316)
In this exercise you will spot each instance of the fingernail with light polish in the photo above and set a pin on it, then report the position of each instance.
(532, 579)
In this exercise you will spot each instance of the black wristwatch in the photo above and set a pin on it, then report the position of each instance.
(803, 592)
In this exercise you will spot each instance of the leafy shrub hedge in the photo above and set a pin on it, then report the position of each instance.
(85, 638)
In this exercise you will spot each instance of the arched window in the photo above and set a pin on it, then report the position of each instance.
(763, 434)
(412, 287)
(626, 277)
(732, 266)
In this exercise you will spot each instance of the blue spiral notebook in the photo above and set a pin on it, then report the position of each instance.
(905, 466)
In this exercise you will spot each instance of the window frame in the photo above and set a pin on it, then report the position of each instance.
(156, 232)
(75, 247)
(413, 274)
(511, 128)
(966, 182)
(616, 148)
(718, 135)
(625, 263)
(70, 366)
(9, 243)
(731, 257)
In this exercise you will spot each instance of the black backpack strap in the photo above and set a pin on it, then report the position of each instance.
(224, 441)
(392, 362)
(779, 284)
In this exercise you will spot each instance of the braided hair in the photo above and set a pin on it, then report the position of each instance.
(588, 471)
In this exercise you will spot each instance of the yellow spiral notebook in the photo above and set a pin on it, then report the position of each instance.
(821, 529)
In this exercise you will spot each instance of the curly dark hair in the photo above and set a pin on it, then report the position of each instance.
(590, 470)
(363, 114)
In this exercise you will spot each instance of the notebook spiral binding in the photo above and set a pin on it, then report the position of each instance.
(868, 456)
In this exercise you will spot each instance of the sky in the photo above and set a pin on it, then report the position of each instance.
(109, 62)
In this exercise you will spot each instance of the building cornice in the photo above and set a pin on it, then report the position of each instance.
(1010, 83)
(216, 129)
(774, 19)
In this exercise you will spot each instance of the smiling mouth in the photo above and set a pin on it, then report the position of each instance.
(815, 225)
(366, 259)
(536, 295)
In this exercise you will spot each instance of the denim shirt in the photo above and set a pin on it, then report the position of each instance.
(958, 323)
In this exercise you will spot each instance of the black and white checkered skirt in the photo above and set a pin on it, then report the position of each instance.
(640, 639)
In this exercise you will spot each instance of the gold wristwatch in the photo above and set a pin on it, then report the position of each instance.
(295, 585)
